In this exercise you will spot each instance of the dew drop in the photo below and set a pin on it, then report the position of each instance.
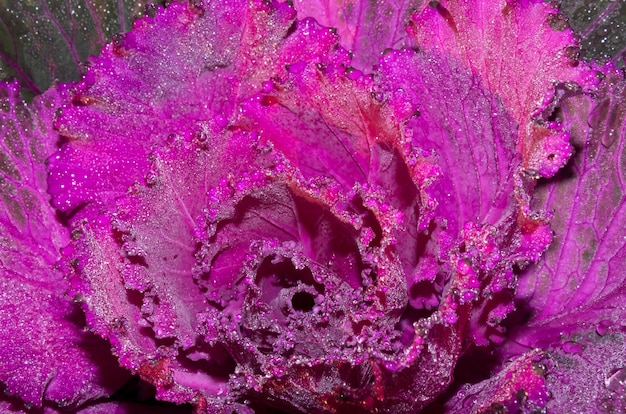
(150, 10)
(609, 138)
(612, 126)
(603, 327)
(151, 178)
(221, 120)
(615, 380)
(572, 347)
(558, 22)
(352, 73)
(378, 96)
(268, 86)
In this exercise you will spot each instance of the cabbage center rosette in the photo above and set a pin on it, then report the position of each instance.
(279, 229)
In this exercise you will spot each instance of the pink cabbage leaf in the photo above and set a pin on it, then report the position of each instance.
(575, 296)
(46, 356)
(365, 28)
(260, 212)
(228, 201)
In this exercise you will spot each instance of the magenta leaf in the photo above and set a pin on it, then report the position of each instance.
(258, 224)
(184, 65)
(365, 28)
(580, 282)
(12, 406)
(523, 81)
(519, 387)
(146, 301)
(46, 355)
(448, 91)
(587, 373)
(574, 297)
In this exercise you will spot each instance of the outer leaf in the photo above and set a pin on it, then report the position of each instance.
(518, 387)
(478, 169)
(600, 26)
(524, 81)
(366, 28)
(44, 40)
(184, 65)
(128, 408)
(14, 406)
(45, 353)
(587, 375)
(147, 300)
(575, 296)
(581, 279)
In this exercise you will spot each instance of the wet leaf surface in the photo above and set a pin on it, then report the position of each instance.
(46, 40)
(601, 25)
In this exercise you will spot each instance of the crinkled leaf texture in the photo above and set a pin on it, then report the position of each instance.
(46, 356)
(499, 52)
(576, 294)
(257, 224)
(365, 28)
(517, 387)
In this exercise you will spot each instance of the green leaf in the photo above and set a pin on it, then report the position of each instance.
(46, 40)
(601, 25)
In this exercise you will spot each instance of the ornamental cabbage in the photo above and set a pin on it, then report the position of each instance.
(318, 207)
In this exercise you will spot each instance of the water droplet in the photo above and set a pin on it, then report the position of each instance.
(616, 379)
(572, 347)
(558, 22)
(297, 67)
(268, 86)
(150, 10)
(151, 179)
(221, 120)
(352, 73)
(603, 327)
(378, 96)
(612, 126)
(597, 115)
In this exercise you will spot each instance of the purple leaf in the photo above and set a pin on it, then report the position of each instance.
(587, 374)
(46, 355)
(519, 387)
(184, 65)
(147, 299)
(522, 79)
(580, 282)
(13, 406)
